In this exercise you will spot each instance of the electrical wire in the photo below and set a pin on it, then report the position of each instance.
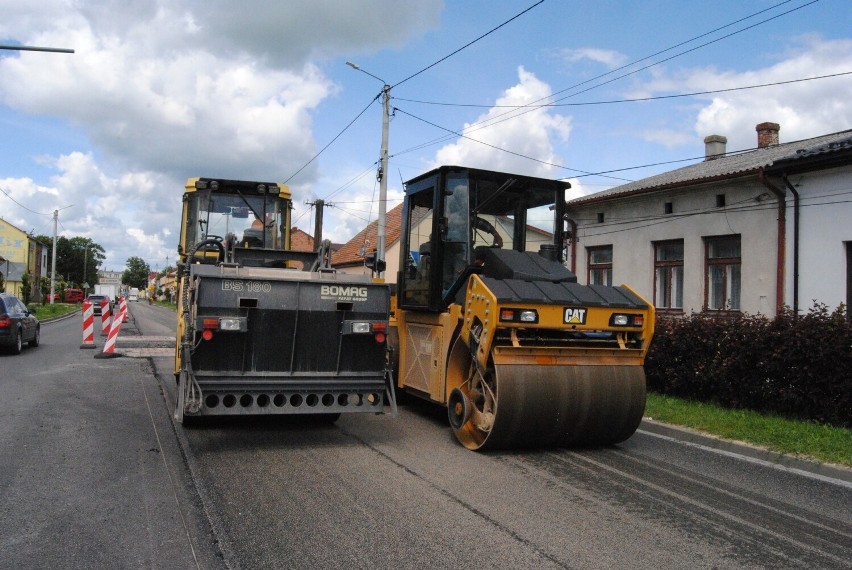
(532, 107)
(337, 136)
(509, 114)
(467, 45)
(635, 100)
(464, 136)
(406, 79)
(9, 196)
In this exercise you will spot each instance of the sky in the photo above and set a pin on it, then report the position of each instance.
(597, 92)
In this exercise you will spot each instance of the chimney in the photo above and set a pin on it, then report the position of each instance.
(767, 134)
(714, 147)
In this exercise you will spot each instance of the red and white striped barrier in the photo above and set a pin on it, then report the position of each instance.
(105, 316)
(109, 345)
(122, 308)
(88, 325)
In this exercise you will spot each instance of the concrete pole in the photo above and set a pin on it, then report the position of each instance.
(53, 259)
(383, 181)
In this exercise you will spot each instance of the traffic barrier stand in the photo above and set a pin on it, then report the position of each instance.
(122, 308)
(88, 325)
(109, 345)
(105, 321)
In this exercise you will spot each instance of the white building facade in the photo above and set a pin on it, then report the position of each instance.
(727, 234)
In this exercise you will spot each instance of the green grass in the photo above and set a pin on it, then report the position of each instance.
(44, 312)
(805, 439)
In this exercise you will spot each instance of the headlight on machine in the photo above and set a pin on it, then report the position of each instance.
(229, 324)
(518, 315)
(528, 316)
(626, 320)
(376, 328)
(210, 325)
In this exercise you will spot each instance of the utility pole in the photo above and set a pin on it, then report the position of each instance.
(383, 184)
(381, 175)
(53, 259)
(85, 281)
(319, 204)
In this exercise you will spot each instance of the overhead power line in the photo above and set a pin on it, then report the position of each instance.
(470, 43)
(337, 136)
(634, 100)
(517, 112)
(9, 196)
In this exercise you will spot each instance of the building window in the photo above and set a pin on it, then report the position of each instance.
(600, 265)
(720, 200)
(669, 207)
(600, 217)
(668, 275)
(723, 273)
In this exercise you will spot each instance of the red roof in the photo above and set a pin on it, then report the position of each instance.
(301, 241)
(351, 254)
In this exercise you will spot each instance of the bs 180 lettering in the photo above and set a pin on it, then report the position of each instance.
(240, 286)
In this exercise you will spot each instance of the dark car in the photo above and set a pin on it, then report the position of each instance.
(17, 324)
(96, 303)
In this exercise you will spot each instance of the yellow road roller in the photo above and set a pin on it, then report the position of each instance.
(489, 322)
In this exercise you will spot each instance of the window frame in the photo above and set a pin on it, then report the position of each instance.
(727, 280)
(669, 266)
(595, 267)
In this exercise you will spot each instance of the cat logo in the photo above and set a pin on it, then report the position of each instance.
(575, 316)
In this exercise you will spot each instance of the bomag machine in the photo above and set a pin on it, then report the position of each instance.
(262, 329)
(490, 323)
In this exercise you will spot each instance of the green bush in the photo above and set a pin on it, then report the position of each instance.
(796, 366)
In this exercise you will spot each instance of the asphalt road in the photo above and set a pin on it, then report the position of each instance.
(377, 491)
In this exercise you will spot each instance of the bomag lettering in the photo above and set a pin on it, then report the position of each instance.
(340, 291)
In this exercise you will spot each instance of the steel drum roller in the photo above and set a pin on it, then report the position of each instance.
(553, 406)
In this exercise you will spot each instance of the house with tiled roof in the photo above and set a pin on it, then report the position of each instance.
(750, 231)
(350, 257)
(301, 240)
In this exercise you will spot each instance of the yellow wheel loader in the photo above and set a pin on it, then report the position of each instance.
(263, 329)
(489, 322)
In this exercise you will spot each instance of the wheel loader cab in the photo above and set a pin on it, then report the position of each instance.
(452, 211)
(235, 214)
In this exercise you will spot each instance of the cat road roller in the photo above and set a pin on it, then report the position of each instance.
(262, 329)
(490, 323)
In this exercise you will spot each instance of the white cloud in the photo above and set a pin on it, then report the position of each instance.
(803, 110)
(165, 90)
(610, 58)
(527, 135)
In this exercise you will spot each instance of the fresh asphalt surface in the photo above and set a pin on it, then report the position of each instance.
(95, 475)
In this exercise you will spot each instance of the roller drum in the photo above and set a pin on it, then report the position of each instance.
(560, 406)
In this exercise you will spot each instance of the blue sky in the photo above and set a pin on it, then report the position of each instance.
(159, 91)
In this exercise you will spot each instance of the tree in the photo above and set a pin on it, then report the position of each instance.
(73, 256)
(136, 274)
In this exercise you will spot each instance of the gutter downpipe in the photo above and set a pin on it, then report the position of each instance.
(795, 242)
(782, 231)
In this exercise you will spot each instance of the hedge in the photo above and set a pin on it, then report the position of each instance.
(799, 367)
